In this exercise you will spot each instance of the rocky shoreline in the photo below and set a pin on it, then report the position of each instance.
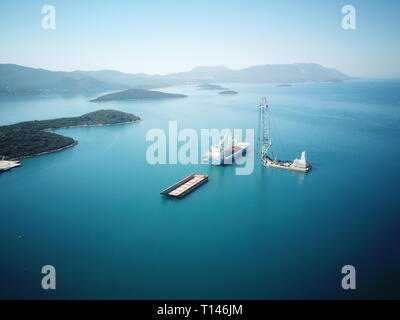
(6, 165)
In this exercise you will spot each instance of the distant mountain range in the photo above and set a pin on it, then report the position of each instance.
(17, 80)
(275, 73)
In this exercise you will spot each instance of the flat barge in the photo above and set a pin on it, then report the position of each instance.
(182, 188)
(285, 165)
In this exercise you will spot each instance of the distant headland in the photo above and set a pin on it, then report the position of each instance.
(228, 92)
(32, 138)
(210, 87)
(137, 94)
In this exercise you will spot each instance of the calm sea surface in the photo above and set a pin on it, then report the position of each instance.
(95, 212)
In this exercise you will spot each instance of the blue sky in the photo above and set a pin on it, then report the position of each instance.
(162, 36)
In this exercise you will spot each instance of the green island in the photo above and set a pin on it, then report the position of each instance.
(210, 87)
(228, 92)
(32, 138)
(137, 94)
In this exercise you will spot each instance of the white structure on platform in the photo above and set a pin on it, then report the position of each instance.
(302, 162)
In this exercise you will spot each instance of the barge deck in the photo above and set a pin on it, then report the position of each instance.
(185, 186)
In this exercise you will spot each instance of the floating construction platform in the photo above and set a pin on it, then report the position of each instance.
(185, 186)
(8, 165)
(266, 143)
(286, 165)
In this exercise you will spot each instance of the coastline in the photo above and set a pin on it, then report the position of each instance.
(75, 143)
(95, 125)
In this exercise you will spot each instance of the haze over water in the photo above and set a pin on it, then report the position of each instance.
(95, 212)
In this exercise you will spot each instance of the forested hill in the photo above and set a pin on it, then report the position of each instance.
(137, 94)
(27, 139)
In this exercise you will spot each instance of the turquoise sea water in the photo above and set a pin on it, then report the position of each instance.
(95, 212)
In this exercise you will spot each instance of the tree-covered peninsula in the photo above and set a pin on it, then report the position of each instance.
(32, 138)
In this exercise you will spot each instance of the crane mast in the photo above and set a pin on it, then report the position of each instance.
(265, 140)
(264, 132)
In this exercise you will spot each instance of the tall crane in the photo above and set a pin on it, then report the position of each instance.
(267, 157)
(264, 129)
